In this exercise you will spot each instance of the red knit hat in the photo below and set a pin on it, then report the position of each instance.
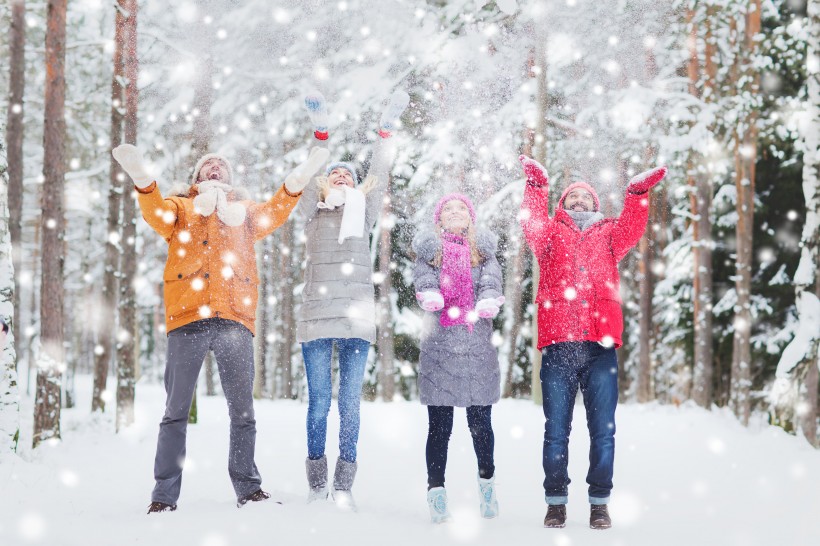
(443, 201)
(583, 186)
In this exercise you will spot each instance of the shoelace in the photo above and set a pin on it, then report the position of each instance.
(487, 492)
(439, 504)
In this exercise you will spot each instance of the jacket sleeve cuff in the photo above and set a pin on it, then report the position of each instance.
(147, 189)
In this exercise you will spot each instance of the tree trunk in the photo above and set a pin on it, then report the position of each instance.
(51, 361)
(512, 295)
(210, 371)
(260, 353)
(126, 348)
(106, 323)
(288, 322)
(745, 160)
(539, 153)
(386, 343)
(644, 391)
(203, 98)
(9, 390)
(701, 207)
(15, 129)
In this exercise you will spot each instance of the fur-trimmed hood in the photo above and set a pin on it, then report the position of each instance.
(426, 244)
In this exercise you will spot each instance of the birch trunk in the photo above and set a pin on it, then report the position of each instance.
(9, 390)
(15, 129)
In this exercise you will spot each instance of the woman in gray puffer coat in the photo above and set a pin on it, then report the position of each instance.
(458, 280)
(338, 306)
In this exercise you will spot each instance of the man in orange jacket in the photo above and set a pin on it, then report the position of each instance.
(210, 303)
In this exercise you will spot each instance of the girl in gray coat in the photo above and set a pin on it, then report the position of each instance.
(458, 280)
(338, 306)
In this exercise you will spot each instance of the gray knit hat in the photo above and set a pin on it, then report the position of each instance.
(205, 158)
(349, 167)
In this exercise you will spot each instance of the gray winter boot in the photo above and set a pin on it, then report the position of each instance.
(317, 478)
(343, 483)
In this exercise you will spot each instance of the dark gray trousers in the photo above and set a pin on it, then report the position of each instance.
(232, 345)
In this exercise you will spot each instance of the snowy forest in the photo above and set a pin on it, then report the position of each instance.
(721, 297)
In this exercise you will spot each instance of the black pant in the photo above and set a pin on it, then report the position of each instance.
(438, 437)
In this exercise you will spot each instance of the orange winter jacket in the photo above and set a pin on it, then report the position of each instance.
(211, 267)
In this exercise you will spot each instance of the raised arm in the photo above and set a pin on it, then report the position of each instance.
(383, 152)
(161, 214)
(268, 216)
(631, 224)
(534, 212)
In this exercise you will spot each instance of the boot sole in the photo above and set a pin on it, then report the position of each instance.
(561, 526)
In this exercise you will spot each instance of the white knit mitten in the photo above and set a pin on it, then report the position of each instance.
(130, 159)
(391, 114)
(317, 110)
(296, 181)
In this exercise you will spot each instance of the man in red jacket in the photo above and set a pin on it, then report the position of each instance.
(580, 323)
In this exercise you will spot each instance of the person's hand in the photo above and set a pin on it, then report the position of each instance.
(489, 307)
(391, 114)
(317, 110)
(430, 300)
(642, 183)
(130, 159)
(299, 177)
(536, 173)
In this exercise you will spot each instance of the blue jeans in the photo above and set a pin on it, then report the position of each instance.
(564, 368)
(352, 360)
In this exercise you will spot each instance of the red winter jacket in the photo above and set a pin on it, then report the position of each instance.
(579, 290)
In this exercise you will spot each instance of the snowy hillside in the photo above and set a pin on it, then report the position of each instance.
(682, 476)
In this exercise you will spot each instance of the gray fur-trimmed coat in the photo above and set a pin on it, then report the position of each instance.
(338, 300)
(458, 367)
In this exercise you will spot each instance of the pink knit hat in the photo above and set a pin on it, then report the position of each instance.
(443, 201)
(583, 186)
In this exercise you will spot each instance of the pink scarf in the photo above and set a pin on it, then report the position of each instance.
(456, 281)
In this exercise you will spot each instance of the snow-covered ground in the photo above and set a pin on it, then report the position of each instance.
(682, 476)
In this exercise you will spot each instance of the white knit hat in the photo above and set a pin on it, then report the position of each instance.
(205, 158)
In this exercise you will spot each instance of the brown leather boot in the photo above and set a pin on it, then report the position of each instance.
(556, 516)
(599, 517)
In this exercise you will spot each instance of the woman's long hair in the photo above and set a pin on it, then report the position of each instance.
(475, 255)
(365, 187)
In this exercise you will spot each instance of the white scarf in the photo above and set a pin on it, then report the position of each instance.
(354, 203)
(213, 196)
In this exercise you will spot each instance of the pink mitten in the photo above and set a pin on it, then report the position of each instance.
(642, 183)
(489, 307)
(536, 173)
(430, 301)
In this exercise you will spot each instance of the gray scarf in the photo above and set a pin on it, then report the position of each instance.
(584, 219)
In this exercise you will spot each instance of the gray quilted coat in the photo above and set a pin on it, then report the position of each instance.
(338, 299)
(458, 367)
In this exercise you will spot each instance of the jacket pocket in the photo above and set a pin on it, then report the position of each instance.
(184, 287)
(243, 294)
(609, 319)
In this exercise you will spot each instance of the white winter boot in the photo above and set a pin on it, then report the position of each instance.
(317, 479)
(437, 501)
(342, 484)
(489, 503)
